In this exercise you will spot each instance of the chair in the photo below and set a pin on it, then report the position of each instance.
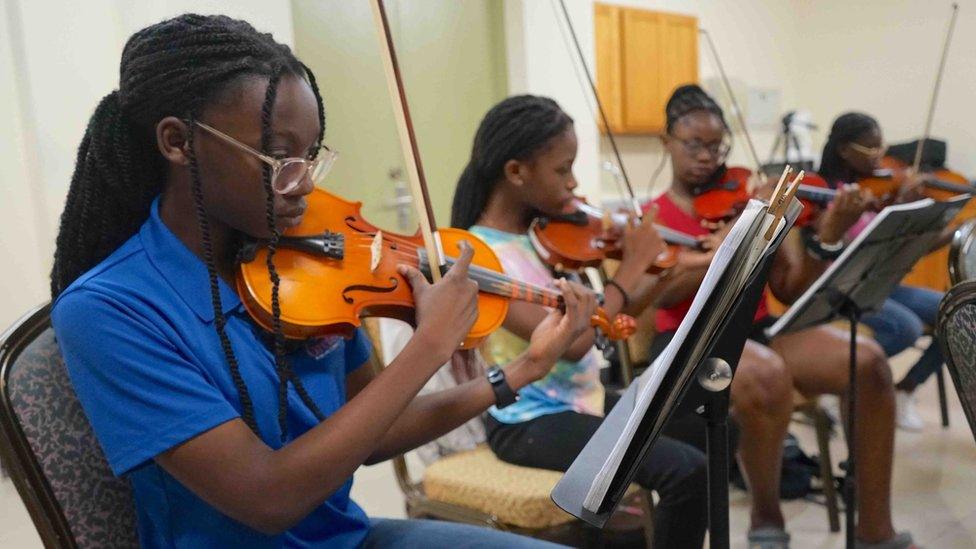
(475, 487)
(957, 331)
(962, 253)
(49, 449)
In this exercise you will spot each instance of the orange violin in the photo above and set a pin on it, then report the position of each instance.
(940, 184)
(590, 235)
(336, 267)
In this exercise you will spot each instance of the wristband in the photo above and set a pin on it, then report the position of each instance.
(623, 293)
(504, 395)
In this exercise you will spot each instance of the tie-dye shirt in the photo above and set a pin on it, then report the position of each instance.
(569, 386)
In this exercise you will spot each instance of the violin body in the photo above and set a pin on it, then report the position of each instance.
(723, 199)
(322, 294)
(336, 267)
(585, 239)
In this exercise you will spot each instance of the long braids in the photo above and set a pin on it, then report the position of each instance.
(514, 129)
(847, 128)
(281, 363)
(173, 68)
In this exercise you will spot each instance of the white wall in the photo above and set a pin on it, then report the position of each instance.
(61, 58)
(881, 57)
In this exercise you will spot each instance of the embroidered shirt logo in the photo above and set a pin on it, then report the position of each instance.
(320, 346)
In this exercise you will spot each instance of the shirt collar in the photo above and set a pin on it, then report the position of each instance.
(185, 272)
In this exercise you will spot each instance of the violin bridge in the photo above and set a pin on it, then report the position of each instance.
(376, 251)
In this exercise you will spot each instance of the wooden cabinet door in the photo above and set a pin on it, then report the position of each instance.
(641, 57)
(642, 71)
(679, 64)
(606, 22)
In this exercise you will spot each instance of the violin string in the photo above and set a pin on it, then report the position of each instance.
(484, 273)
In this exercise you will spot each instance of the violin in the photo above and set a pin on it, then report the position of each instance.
(336, 267)
(722, 200)
(940, 184)
(589, 235)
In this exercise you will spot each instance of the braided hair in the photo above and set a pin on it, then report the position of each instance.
(172, 68)
(514, 129)
(848, 128)
(688, 99)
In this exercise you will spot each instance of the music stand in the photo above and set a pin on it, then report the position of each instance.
(859, 281)
(719, 349)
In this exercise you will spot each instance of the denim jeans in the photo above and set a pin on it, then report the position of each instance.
(900, 322)
(435, 534)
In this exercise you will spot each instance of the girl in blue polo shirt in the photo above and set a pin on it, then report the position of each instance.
(228, 436)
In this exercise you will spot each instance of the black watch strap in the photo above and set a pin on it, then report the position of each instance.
(504, 395)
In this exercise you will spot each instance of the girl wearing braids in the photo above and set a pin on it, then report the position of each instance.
(812, 361)
(229, 437)
(854, 149)
(522, 165)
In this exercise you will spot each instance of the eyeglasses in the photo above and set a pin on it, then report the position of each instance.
(286, 173)
(873, 152)
(716, 150)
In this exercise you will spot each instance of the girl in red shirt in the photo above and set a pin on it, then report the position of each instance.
(812, 361)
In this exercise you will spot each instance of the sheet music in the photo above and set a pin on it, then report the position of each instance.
(949, 208)
(650, 381)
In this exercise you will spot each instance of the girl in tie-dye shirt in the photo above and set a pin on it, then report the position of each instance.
(521, 166)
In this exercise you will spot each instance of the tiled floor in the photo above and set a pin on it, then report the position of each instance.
(934, 487)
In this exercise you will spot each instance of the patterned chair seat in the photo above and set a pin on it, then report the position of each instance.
(513, 495)
(51, 453)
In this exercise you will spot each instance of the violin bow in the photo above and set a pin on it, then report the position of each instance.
(935, 90)
(408, 142)
(634, 203)
(735, 103)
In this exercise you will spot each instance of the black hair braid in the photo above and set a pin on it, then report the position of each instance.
(279, 339)
(282, 366)
(318, 101)
(247, 407)
(847, 128)
(688, 99)
(514, 129)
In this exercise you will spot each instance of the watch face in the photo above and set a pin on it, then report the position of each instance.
(495, 375)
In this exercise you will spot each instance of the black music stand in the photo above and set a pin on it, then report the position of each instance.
(859, 281)
(719, 350)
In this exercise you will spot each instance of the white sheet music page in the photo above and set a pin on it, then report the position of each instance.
(650, 381)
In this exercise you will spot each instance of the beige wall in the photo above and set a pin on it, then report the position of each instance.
(61, 59)
(452, 59)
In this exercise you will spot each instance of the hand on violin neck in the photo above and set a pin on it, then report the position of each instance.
(445, 311)
(641, 245)
(844, 211)
(911, 189)
(553, 337)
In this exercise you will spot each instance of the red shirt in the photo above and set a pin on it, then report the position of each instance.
(670, 215)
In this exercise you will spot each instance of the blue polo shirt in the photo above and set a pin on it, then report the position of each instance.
(138, 338)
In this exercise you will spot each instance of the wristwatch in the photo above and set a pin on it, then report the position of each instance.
(504, 395)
